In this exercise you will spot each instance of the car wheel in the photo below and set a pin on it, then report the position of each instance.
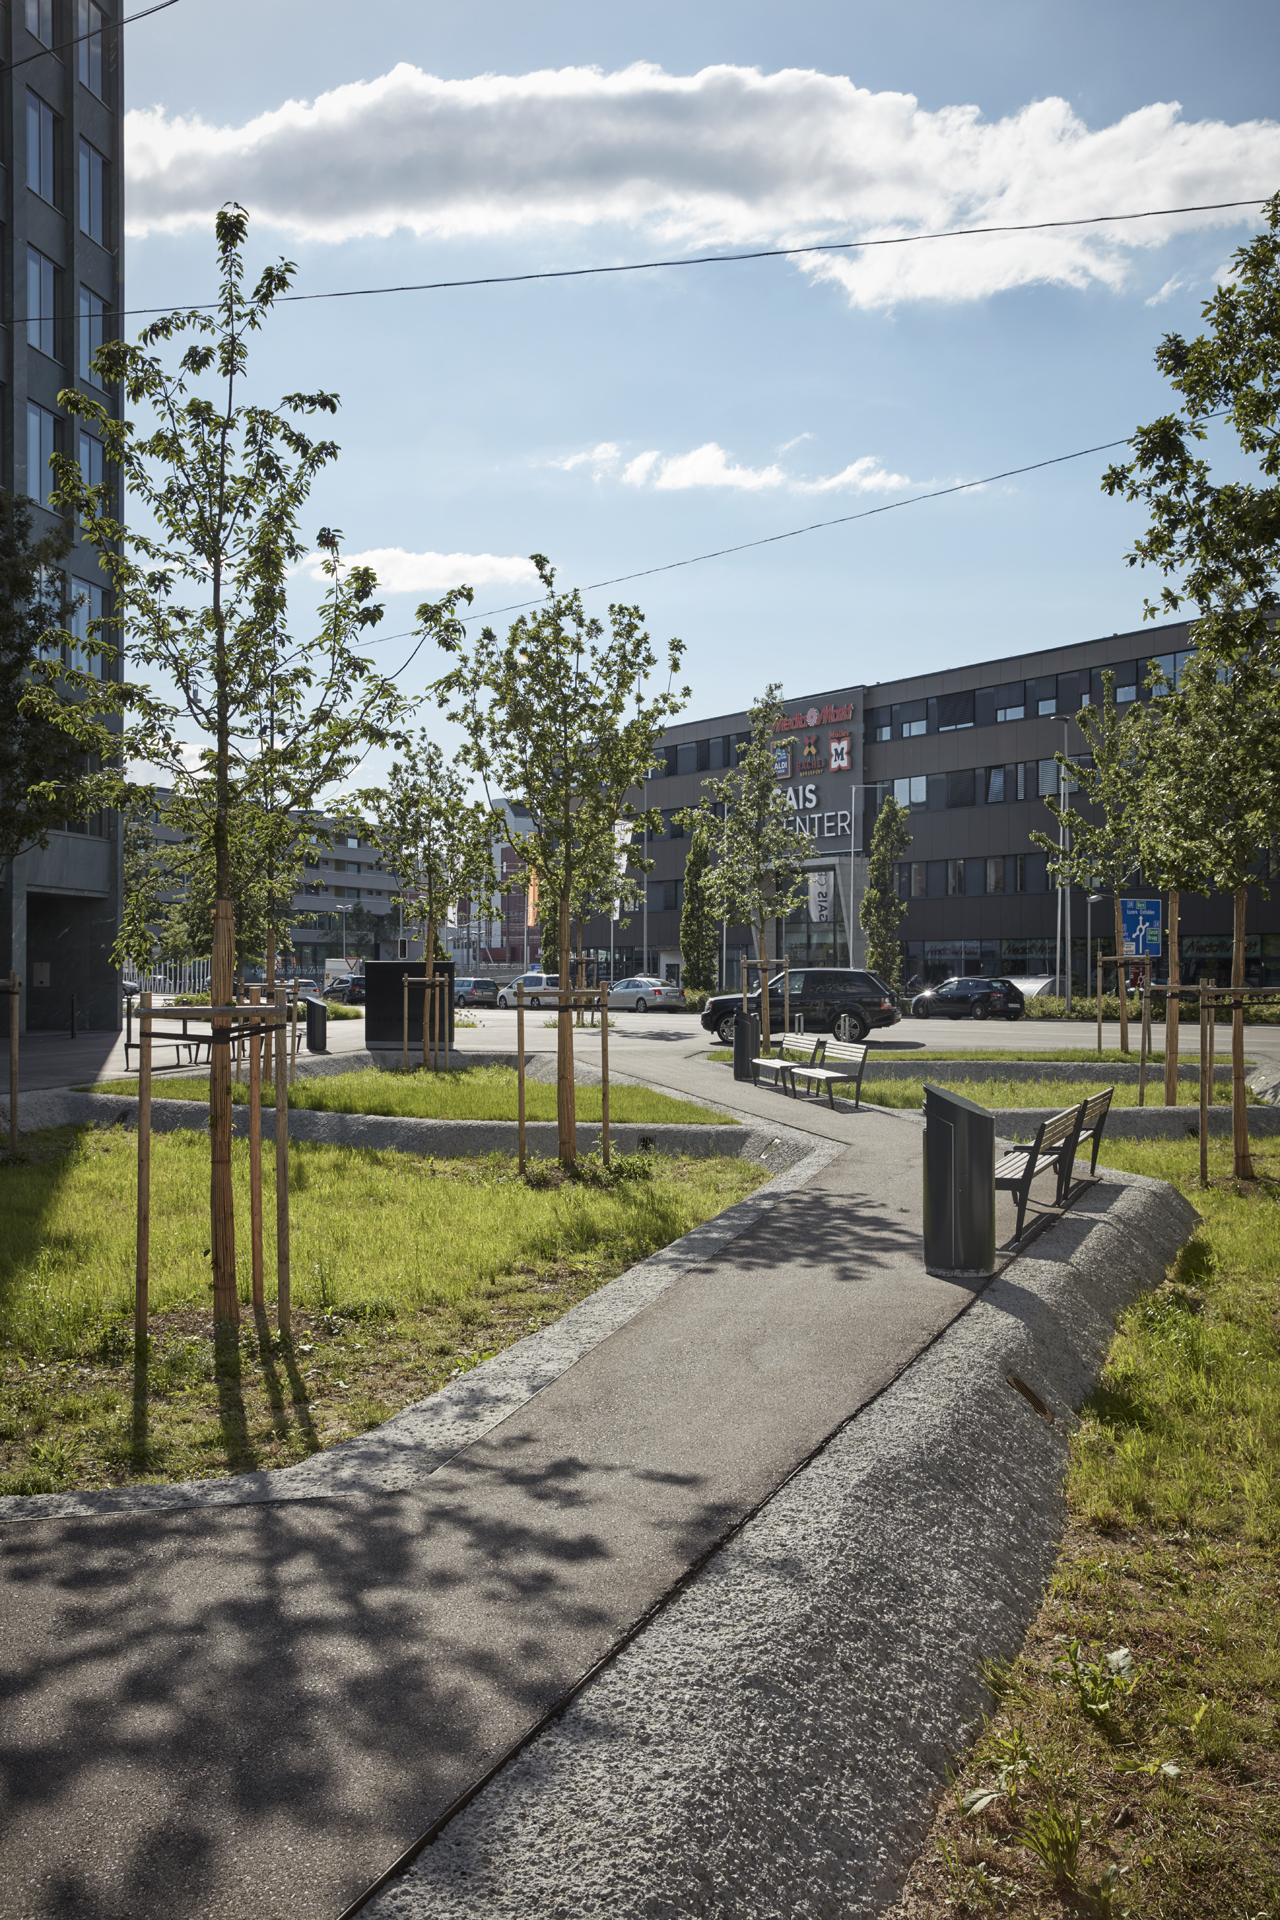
(642, 1005)
(724, 1032)
(980, 1010)
(1015, 1015)
(850, 1027)
(921, 1011)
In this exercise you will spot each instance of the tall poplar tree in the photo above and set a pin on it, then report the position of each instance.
(882, 912)
(699, 928)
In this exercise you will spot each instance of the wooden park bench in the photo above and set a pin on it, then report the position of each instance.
(1092, 1121)
(1052, 1150)
(781, 1068)
(842, 1064)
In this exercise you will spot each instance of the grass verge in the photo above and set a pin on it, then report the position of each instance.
(405, 1273)
(474, 1093)
(1087, 1056)
(1132, 1765)
(1032, 1093)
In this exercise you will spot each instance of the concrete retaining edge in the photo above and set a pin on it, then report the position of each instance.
(1142, 1123)
(775, 1741)
(1122, 1073)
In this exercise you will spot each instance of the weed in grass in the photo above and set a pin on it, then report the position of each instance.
(1100, 1686)
(1054, 1836)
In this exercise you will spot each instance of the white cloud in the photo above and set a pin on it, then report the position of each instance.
(402, 572)
(602, 459)
(726, 156)
(788, 444)
(710, 466)
(1173, 285)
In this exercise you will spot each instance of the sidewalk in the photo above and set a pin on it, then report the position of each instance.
(251, 1711)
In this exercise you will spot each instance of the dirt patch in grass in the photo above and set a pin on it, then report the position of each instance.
(1132, 1762)
(406, 1272)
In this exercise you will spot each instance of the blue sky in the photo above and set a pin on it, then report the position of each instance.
(621, 423)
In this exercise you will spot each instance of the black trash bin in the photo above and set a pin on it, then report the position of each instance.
(746, 1042)
(317, 1025)
(959, 1185)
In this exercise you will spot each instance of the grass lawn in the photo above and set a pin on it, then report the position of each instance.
(474, 1093)
(1030, 1093)
(406, 1272)
(1132, 1765)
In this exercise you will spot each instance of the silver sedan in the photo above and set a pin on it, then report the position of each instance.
(639, 994)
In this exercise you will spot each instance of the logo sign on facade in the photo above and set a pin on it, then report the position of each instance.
(810, 758)
(822, 897)
(1140, 928)
(782, 760)
(838, 744)
(827, 716)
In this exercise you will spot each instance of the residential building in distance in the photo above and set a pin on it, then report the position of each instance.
(61, 144)
(970, 752)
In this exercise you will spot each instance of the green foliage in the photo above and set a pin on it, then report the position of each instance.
(557, 716)
(699, 928)
(881, 912)
(437, 842)
(759, 856)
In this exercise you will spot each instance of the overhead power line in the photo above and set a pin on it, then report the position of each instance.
(700, 259)
(792, 533)
(108, 26)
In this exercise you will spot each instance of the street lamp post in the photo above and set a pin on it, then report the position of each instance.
(860, 786)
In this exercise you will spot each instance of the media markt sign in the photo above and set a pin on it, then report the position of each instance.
(1140, 929)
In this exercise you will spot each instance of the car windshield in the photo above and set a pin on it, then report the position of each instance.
(946, 984)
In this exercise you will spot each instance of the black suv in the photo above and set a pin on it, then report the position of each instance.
(834, 1000)
(980, 999)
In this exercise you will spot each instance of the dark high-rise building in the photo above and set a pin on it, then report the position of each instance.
(61, 144)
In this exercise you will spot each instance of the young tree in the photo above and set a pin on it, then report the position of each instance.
(699, 928)
(437, 842)
(760, 857)
(556, 716)
(1105, 843)
(882, 912)
(199, 581)
(1219, 543)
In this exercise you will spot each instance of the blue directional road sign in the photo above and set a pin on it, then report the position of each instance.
(1140, 925)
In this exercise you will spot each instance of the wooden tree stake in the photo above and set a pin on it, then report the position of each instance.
(255, 1158)
(1172, 1009)
(226, 1298)
(14, 989)
(520, 1071)
(1206, 1080)
(604, 1075)
(284, 1318)
(142, 1279)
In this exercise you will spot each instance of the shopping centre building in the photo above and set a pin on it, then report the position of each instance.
(970, 751)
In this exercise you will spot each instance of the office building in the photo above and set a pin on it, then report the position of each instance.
(61, 144)
(970, 752)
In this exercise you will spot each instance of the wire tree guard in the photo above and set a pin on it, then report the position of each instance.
(255, 1023)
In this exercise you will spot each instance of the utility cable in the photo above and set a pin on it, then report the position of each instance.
(108, 26)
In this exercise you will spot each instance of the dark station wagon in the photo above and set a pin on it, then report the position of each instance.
(980, 998)
(475, 993)
(838, 1000)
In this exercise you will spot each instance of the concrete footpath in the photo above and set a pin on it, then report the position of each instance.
(252, 1710)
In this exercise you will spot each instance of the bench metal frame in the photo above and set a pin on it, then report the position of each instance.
(853, 1053)
(1054, 1149)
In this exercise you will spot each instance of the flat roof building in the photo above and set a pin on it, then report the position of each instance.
(970, 751)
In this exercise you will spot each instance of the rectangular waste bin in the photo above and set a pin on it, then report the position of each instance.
(746, 1042)
(317, 1025)
(959, 1185)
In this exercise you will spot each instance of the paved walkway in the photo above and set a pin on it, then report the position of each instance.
(251, 1711)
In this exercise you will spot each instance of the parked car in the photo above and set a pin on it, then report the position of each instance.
(349, 992)
(843, 1001)
(981, 999)
(537, 987)
(475, 993)
(642, 991)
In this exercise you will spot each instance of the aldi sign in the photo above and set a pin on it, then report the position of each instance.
(1140, 929)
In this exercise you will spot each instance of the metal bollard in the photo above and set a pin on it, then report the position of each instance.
(746, 1042)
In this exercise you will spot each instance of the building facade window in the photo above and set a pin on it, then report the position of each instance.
(92, 333)
(89, 50)
(955, 877)
(41, 291)
(919, 880)
(89, 607)
(40, 20)
(93, 193)
(995, 874)
(42, 148)
(40, 447)
(93, 465)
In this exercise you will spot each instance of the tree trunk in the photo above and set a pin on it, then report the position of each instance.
(761, 940)
(1121, 980)
(1243, 1163)
(566, 1117)
(1172, 1009)
(268, 991)
(428, 996)
(226, 1300)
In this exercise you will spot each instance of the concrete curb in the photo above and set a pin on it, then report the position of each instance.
(1143, 1123)
(775, 1740)
(423, 1436)
(1123, 1073)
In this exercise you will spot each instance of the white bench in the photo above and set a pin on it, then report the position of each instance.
(842, 1064)
(781, 1067)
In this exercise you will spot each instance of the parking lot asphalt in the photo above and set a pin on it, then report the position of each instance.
(252, 1711)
